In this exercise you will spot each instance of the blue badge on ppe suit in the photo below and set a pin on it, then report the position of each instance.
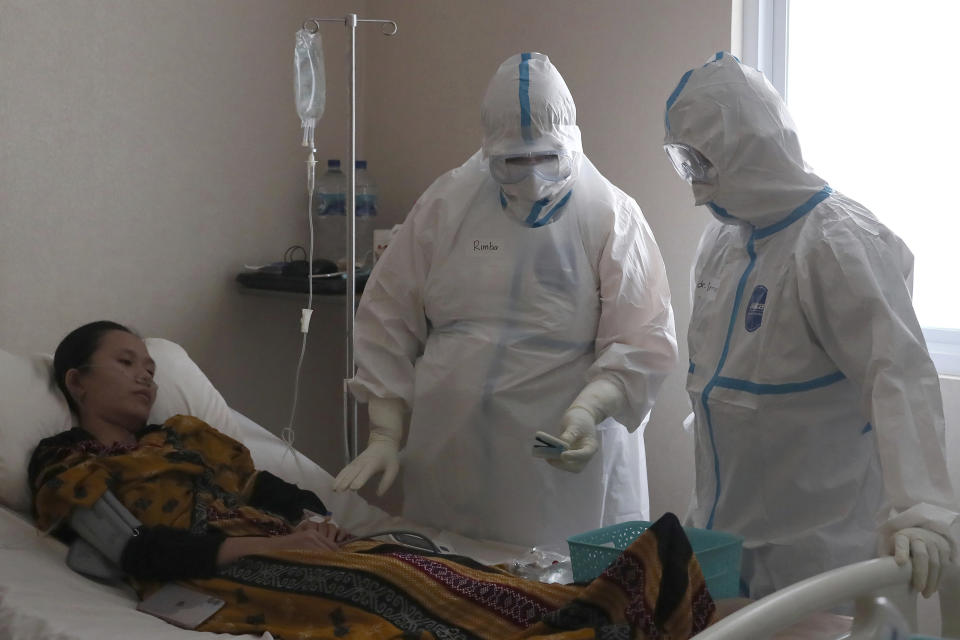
(758, 300)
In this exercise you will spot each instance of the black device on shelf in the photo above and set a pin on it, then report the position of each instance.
(299, 267)
(279, 281)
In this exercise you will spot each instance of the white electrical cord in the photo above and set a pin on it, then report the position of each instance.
(288, 434)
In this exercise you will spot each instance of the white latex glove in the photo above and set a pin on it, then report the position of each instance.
(598, 400)
(580, 435)
(383, 448)
(927, 550)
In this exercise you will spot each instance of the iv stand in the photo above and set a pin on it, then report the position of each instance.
(388, 28)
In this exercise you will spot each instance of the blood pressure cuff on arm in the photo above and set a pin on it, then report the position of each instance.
(104, 531)
(112, 543)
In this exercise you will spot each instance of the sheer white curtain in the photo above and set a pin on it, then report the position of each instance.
(872, 86)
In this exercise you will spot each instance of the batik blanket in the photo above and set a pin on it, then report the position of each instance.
(186, 474)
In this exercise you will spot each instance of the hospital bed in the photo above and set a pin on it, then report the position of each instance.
(42, 599)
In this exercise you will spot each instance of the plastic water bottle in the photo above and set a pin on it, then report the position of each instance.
(329, 204)
(366, 205)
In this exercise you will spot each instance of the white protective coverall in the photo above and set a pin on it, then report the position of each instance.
(818, 416)
(488, 328)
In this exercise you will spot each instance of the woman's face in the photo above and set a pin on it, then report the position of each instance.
(116, 385)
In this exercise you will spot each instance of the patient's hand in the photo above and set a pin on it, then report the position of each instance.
(307, 536)
(326, 530)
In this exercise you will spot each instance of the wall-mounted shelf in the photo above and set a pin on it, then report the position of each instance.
(298, 284)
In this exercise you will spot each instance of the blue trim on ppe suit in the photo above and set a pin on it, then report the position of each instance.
(745, 385)
(524, 97)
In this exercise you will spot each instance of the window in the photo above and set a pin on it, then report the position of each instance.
(870, 87)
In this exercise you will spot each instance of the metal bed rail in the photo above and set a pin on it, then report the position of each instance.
(866, 584)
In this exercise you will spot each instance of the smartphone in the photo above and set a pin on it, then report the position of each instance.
(548, 446)
(180, 606)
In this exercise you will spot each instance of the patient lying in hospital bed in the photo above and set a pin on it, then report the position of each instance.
(41, 599)
(195, 480)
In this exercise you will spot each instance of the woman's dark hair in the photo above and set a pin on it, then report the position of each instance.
(75, 350)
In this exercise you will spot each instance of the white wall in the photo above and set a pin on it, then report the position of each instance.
(950, 388)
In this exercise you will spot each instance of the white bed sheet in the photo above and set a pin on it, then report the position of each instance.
(42, 599)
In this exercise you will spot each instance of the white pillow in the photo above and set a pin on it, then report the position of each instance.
(183, 388)
(33, 408)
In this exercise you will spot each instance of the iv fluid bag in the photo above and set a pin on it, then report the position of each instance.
(309, 83)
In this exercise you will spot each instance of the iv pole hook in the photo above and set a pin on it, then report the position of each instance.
(387, 27)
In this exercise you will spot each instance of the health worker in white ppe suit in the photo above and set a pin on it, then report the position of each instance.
(818, 416)
(523, 292)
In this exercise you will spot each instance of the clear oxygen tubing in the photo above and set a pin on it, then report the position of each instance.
(388, 28)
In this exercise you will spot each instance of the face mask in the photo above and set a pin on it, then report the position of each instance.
(536, 214)
(703, 192)
(532, 193)
(694, 167)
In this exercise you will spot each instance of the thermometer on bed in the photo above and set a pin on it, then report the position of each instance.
(548, 446)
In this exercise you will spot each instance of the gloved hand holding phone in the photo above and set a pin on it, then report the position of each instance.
(600, 399)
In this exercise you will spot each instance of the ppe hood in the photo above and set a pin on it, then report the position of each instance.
(733, 116)
(527, 108)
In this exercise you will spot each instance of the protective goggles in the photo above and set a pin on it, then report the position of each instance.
(691, 164)
(553, 166)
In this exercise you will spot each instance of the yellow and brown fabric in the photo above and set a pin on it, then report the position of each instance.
(183, 474)
(186, 474)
